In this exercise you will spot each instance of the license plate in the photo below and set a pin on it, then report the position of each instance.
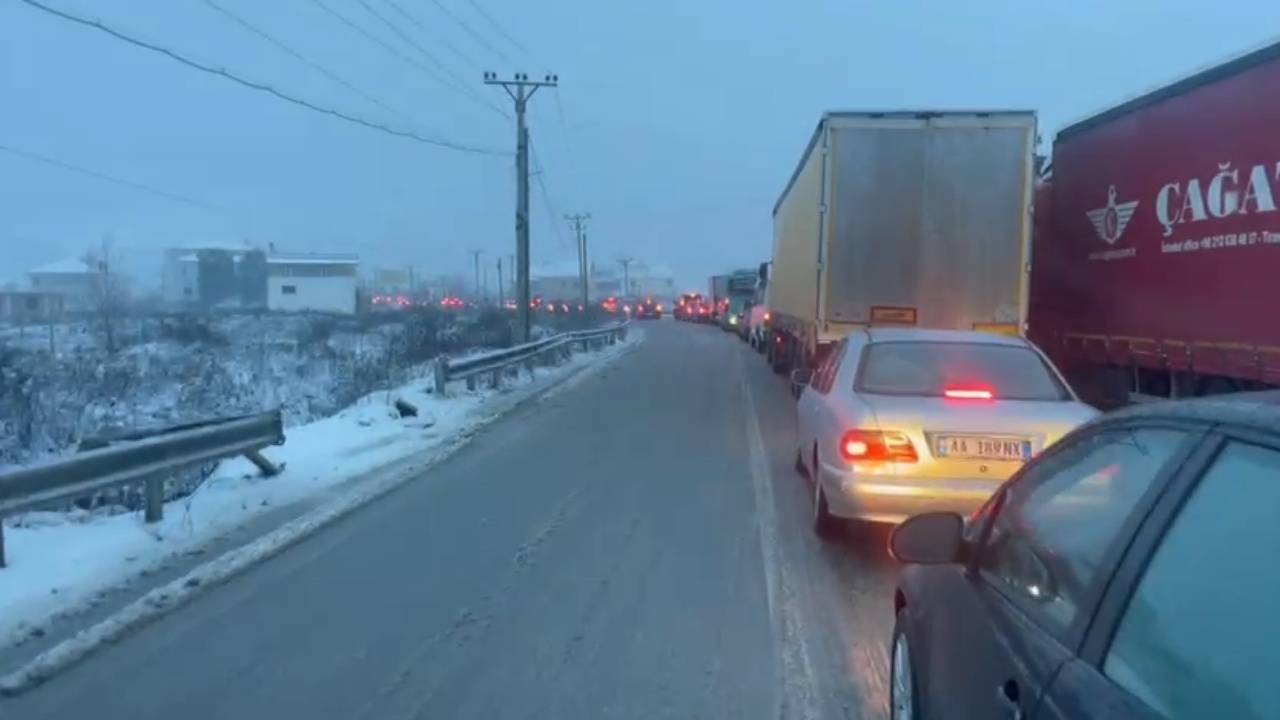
(968, 447)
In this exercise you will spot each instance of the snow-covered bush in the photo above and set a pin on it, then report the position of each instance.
(58, 390)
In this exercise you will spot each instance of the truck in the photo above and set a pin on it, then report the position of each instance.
(1157, 240)
(758, 322)
(719, 292)
(739, 290)
(907, 218)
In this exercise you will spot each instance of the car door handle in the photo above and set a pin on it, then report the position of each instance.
(1009, 697)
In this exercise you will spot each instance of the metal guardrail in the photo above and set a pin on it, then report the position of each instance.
(546, 351)
(146, 458)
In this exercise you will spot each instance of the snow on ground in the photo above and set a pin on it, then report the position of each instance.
(59, 562)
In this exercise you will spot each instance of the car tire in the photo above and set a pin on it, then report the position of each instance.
(825, 525)
(904, 693)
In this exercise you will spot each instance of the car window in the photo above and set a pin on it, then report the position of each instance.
(1010, 372)
(1198, 637)
(1055, 525)
(825, 376)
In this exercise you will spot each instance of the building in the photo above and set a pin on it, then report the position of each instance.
(28, 307)
(214, 277)
(637, 279)
(555, 281)
(79, 285)
(185, 284)
(313, 282)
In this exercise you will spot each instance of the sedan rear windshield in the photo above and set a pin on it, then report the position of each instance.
(931, 368)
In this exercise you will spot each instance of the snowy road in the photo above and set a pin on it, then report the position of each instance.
(595, 555)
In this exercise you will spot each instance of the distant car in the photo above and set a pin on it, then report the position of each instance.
(647, 309)
(897, 421)
(1121, 574)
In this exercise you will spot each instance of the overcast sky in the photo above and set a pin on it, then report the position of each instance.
(676, 124)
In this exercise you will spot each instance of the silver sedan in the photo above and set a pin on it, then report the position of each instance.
(898, 421)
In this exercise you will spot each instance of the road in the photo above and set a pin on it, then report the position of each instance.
(634, 547)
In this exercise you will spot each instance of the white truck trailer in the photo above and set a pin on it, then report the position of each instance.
(913, 218)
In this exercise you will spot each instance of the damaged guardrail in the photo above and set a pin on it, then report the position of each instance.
(145, 458)
(546, 351)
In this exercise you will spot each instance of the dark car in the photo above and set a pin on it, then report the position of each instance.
(647, 309)
(1128, 572)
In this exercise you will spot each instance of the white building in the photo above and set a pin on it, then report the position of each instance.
(315, 282)
(79, 285)
(295, 282)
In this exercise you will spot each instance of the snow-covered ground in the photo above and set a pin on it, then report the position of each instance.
(59, 562)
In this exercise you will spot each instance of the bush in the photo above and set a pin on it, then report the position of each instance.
(184, 368)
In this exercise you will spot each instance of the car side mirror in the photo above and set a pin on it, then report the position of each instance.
(932, 538)
(801, 378)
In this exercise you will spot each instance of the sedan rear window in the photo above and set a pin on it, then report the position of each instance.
(933, 368)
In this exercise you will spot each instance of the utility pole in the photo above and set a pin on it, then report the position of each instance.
(502, 300)
(579, 223)
(521, 89)
(475, 257)
(626, 274)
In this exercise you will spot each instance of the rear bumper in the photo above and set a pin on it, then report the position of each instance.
(892, 498)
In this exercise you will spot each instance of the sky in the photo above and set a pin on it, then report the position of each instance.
(675, 125)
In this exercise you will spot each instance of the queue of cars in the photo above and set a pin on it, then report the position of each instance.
(1059, 562)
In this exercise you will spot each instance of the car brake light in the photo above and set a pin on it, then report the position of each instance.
(877, 446)
(968, 394)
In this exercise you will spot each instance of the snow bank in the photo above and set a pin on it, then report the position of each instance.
(62, 562)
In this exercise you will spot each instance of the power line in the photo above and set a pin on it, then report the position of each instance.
(418, 24)
(264, 35)
(564, 130)
(36, 157)
(470, 30)
(307, 104)
(539, 171)
(456, 82)
(497, 26)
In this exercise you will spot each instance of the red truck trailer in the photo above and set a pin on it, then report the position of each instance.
(1156, 241)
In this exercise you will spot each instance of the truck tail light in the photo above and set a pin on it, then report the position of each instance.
(877, 446)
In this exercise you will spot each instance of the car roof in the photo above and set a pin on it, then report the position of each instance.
(1258, 409)
(901, 334)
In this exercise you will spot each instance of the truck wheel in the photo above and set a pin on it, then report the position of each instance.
(778, 356)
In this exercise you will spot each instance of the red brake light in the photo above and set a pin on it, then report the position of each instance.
(968, 394)
(877, 446)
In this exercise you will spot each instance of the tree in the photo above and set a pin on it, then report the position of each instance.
(107, 286)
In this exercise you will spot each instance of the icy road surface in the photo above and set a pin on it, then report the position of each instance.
(595, 555)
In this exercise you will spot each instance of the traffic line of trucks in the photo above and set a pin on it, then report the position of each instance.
(1140, 255)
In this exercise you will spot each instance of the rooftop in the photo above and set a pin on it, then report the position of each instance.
(278, 258)
(69, 266)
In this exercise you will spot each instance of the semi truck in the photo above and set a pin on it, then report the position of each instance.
(915, 218)
(739, 290)
(718, 286)
(1157, 240)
